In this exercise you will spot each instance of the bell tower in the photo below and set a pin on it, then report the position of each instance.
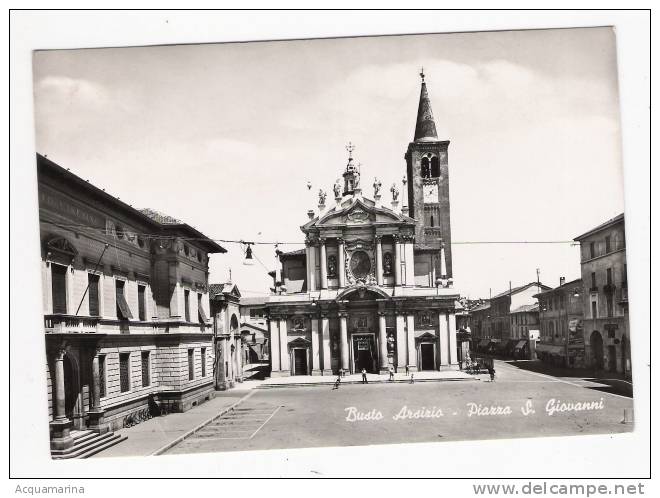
(428, 182)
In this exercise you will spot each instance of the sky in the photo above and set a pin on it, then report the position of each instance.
(226, 137)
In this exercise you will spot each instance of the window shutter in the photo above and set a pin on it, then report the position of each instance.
(191, 364)
(94, 295)
(142, 315)
(59, 288)
(145, 369)
(122, 306)
(202, 314)
(124, 379)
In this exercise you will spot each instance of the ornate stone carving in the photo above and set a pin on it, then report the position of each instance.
(322, 196)
(358, 216)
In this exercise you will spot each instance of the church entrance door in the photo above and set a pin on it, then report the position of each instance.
(299, 361)
(363, 353)
(427, 356)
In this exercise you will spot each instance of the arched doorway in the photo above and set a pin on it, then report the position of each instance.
(71, 385)
(596, 341)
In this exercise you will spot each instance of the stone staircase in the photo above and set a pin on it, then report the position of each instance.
(86, 444)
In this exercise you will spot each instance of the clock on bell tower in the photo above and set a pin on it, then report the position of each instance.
(428, 182)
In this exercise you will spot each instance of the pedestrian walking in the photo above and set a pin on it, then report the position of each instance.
(391, 373)
(460, 364)
(412, 378)
(364, 377)
(491, 372)
(337, 382)
(407, 370)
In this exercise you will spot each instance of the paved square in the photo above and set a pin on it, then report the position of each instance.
(518, 404)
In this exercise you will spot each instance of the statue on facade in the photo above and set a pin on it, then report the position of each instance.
(337, 189)
(390, 343)
(387, 264)
(332, 266)
(395, 192)
(377, 186)
(322, 196)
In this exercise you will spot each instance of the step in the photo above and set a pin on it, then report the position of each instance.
(83, 442)
(76, 435)
(352, 382)
(89, 447)
(116, 440)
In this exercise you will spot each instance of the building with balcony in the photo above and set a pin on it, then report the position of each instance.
(605, 302)
(372, 289)
(126, 310)
(560, 311)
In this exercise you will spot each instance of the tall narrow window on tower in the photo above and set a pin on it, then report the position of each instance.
(435, 167)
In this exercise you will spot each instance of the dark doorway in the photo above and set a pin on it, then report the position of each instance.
(299, 362)
(596, 342)
(611, 358)
(363, 351)
(426, 353)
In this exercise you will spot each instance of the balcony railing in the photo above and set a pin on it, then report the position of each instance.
(609, 288)
(70, 324)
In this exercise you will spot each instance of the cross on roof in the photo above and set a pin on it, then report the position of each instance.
(421, 73)
(350, 148)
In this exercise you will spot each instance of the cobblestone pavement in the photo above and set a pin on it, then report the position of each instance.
(519, 403)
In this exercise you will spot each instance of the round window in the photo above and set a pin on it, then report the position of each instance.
(360, 264)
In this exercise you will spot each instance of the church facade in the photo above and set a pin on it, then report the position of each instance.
(373, 288)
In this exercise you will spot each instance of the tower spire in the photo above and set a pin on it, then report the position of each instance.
(425, 128)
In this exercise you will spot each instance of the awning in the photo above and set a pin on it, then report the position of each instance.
(521, 344)
(551, 349)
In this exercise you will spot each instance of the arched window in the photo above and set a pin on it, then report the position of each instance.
(435, 167)
(426, 173)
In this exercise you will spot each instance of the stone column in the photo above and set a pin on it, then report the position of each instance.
(60, 426)
(453, 351)
(443, 342)
(235, 358)
(412, 351)
(239, 358)
(60, 410)
(379, 260)
(325, 335)
(341, 270)
(316, 357)
(284, 348)
(401, 343)
(275, 364)
(323, 265)
(397, 261)
(382, 342)
(343, 330)
(96, 421)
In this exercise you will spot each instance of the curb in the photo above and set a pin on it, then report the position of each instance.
(222, 412)
(354, 382)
